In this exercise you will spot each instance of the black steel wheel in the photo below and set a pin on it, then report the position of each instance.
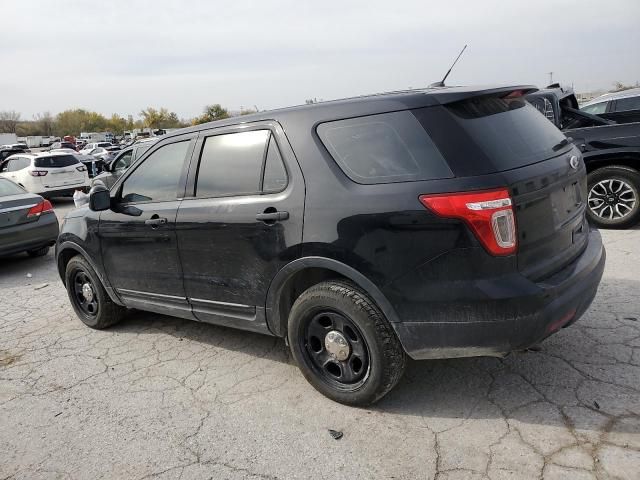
(613, 200)
(88, 297)
(85, 296)
(343, 344)
(336, 350)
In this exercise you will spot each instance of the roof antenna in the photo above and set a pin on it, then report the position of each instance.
(441, 82)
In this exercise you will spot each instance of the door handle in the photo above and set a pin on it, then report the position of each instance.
(155, 222)
(271, 217)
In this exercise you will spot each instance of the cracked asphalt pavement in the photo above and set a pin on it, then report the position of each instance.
(158, 397)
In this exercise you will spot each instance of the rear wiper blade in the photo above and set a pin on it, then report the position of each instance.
(562, 144)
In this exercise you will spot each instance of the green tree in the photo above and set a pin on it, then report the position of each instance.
(211, 113)
(72, 122)
(161, 118)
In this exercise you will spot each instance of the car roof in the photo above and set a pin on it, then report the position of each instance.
(352, 106)
(631, 92)
(41, 154)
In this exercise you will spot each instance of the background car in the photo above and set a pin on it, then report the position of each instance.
(48, 174)
(8, 150)
(611, 153)
(93, 164)
(27, 221)
(90, 146)
(59, 145)
(621, 107)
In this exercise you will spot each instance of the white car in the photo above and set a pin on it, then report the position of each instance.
(91, 146)
(47, 174)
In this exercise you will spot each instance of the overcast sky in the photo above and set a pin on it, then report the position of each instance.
(120, 56)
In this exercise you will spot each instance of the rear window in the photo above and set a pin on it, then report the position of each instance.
(509, 131)
(57, 161)
(384, 148)
(7, 187)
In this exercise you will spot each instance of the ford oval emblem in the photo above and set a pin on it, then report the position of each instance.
(574, 162)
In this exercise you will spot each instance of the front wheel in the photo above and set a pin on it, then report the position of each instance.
(40, 252)
(614, 197)
(88, 297)
(343, 344)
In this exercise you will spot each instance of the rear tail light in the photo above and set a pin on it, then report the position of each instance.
(489, 214)
(43, 207)
(38, 173)
(81, 168)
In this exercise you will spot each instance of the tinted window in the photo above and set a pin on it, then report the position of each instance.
(275, 175)
(231, 164)
(9, 188)
(156, 179)
(391, 147)
(509, 131)
(59, 161)
(596, 108)
(626, 104)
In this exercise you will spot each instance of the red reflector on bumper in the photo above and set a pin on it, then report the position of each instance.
(558, 324)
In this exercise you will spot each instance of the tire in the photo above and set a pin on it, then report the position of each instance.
(606, 206)
(101, 312)
(40, 252)
(375, 361)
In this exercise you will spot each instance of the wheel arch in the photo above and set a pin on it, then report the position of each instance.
(609, 159)
(301, 274)
(66, 251)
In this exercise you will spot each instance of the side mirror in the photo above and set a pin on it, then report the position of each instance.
(99, 198)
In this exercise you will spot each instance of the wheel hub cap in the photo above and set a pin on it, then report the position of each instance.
(337, 345)
(87, 292)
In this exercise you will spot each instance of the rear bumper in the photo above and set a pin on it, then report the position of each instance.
(64, 192)
(507, 322)
(29, 236)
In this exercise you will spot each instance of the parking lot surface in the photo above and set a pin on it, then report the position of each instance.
(158, 397)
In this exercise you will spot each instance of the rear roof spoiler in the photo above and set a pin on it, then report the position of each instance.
(456, 94)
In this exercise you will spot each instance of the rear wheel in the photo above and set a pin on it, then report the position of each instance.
(344, 345)
(40, 252)
(614, 197)
(88, 297)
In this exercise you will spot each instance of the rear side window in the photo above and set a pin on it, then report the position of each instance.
(7, 187)
(59, 161)
(626, 104)
(231, 164)
(596, 108)
(384, 148)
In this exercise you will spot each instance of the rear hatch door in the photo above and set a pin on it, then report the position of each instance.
(502, 137)
(62, 171)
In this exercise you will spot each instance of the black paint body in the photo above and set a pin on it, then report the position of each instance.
(444, 295)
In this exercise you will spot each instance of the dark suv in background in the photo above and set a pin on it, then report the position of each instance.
(445, 222)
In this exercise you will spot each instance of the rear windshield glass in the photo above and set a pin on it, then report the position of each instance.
(7, 187)
(58, 161)
(385, 148)
(509, 131)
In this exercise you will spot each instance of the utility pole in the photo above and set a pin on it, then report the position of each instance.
(550, 78)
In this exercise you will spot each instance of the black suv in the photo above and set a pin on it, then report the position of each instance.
(445, 222)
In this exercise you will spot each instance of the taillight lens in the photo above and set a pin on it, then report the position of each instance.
(37, 210)
(81, 168)
(38, 173)
(488, 213)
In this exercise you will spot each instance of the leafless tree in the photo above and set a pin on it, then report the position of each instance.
(9, 121)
